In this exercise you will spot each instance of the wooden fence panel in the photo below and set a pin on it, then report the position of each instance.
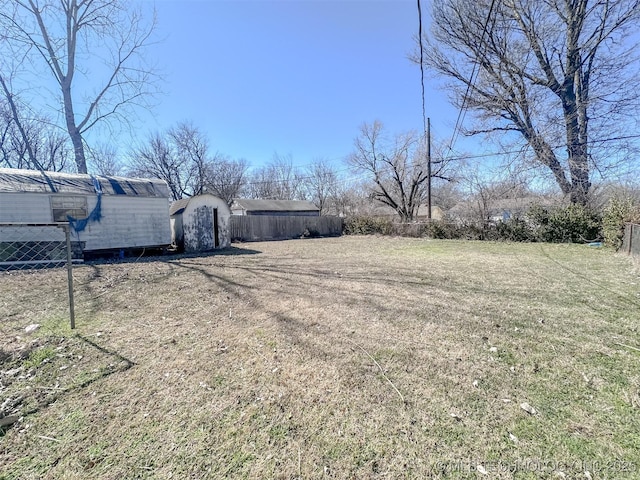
(631, 243)
(255, 228)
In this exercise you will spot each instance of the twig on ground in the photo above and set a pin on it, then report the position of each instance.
(258, 353)
(381, 370)
(628, 346)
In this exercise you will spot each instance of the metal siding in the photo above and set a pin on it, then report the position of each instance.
(25, 208)
(128, 222)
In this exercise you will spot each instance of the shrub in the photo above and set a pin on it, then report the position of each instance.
(441, 230)
(515, 230)
(573, 223)
(619, 210)
(367, 225)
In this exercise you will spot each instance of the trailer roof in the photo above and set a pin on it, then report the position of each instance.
(35, 181)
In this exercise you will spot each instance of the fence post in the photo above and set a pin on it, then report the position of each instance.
(630, 238)
(67, 234)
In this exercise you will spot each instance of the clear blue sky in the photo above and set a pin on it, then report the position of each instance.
(291, 76)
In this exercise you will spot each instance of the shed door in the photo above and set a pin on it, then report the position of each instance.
(216, 238)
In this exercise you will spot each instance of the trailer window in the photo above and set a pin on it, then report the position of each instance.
(64, 206)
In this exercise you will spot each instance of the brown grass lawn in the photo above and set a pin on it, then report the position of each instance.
(353, 357)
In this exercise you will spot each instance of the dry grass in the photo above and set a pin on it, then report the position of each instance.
(356, 357)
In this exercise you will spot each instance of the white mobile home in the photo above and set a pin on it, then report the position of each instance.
(200, 223)
(105, 213)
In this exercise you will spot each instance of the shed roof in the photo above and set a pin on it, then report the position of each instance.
(252, 205)
(178, 206)
(35, 181)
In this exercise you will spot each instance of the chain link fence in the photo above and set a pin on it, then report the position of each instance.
(27, 246)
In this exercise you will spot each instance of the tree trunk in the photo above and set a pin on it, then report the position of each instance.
(74, 133)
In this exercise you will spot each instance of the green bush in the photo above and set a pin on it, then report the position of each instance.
(515, 230)
(573, 223)
(367, 225)
(415, 230)
(442, 230)
(619, 210)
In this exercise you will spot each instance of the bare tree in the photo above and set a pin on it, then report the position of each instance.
(61, 35)
(157, 159)
(350, 198)
(278, 180)
(321, 183)
(397, 166)
(551, 72)
(30, 143)
(103, 159)
(180, 156)
(226, 177)
(191, 148)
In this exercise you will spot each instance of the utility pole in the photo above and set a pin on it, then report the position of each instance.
(429, 169)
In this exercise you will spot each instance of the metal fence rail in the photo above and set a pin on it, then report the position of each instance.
(631, 242)
(25, 246)
(252, 228)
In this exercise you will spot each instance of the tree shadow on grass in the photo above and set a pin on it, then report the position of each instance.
(227, 251)
(35, 398)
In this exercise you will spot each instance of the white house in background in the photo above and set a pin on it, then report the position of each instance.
(105, 213)
(200, 223)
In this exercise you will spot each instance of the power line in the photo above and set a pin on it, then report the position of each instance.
(553, 147)
(463, 106)
(424, 114)
(460, 157)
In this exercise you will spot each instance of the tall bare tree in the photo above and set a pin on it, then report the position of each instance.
(68, 38)
(321, 183)
(191, 149)
(157, 158)
(181, 156)
(278, 180)
(30, 142)
(226, 177)
(396, 165)
(554, 72)
(103, 159)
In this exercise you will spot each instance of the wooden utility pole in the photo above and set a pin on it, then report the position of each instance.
(429, 169)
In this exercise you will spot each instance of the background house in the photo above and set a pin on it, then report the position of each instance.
(200, 223)
(297, 208)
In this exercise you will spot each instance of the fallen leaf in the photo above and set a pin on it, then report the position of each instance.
(31, 328)
(528, 408)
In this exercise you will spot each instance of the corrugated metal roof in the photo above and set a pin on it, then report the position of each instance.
(35, 181)
(252, 205)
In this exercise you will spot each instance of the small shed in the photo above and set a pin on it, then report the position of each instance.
(105, 212)
(277, 208)
(200, 223)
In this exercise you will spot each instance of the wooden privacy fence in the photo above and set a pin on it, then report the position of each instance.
(631, 243)
(254, 228)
